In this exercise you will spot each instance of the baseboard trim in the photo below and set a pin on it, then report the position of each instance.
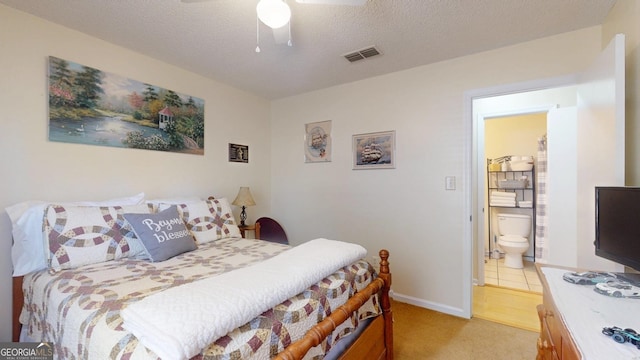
(429, 305)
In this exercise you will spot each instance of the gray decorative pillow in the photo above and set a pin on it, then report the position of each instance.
(164, 234)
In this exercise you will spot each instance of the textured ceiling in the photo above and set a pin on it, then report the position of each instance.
(217, 38)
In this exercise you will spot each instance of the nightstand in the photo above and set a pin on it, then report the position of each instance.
(255, 228)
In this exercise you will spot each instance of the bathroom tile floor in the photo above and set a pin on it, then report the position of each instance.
(495, 273)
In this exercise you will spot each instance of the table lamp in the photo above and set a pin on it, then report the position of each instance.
(243, 199)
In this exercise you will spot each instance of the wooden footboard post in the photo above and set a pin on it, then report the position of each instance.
(385, 302)
(18, 301)
(381, 332)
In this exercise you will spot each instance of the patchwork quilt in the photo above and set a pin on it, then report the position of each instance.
(79, 309)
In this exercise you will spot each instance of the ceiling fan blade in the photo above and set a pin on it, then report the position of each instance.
(334, 2)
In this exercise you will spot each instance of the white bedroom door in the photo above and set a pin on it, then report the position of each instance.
(557, 243)
(600, 143)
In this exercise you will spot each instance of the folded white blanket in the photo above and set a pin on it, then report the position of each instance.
(179, 322)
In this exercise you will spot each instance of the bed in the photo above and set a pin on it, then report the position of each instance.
(138, 304)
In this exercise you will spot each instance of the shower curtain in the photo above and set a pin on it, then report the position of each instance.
(541, 248)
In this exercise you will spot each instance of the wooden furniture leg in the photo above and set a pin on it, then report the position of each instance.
(18, 302)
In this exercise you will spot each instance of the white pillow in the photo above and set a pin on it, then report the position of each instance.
(137, 199)
(208, 220)
(28, 249)
(81, 235)
(155, 203)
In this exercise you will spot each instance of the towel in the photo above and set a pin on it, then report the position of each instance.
(525, 204)
(179, 322)
(503, 194)
(506, 203)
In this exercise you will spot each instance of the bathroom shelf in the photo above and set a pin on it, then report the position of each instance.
(525, 191)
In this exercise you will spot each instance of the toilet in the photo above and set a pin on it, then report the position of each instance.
(514, 232)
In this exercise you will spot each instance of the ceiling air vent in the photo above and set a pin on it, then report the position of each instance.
(362, 54)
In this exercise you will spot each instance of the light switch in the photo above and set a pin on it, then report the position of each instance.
(449, 182)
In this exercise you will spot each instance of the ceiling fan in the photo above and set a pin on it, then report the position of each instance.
(321, 2)
(276, 15)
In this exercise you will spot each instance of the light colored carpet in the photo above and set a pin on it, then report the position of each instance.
(425, 334)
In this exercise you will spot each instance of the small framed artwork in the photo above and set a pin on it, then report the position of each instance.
(317, 142)
(238, 153)
(374, 150)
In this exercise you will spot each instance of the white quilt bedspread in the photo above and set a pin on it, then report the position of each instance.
(179, 322)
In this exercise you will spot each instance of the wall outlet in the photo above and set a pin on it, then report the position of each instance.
(449, 182)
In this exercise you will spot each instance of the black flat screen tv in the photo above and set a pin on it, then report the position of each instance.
(618, 225)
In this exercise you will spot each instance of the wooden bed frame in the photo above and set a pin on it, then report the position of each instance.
(374, 343)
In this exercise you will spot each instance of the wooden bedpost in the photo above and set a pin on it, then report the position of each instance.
(18, 301)
(382, 333)
(385, 301)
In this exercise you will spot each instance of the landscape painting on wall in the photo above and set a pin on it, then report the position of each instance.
(93, 107)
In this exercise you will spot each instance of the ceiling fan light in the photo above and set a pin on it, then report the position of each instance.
(273, 13)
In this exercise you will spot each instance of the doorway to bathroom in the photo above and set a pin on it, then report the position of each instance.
(510, 149)
(595, 100)
(511, 125)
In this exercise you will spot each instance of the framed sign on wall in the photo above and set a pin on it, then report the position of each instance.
(238, 153)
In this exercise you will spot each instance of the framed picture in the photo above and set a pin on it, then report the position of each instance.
(94, 107)
(238, 153)
(374, 150)
(317, 142)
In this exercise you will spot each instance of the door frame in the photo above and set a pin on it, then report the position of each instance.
(481, 169)
(471, 193)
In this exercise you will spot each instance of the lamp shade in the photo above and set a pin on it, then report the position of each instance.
(273, 13)
(244, 197)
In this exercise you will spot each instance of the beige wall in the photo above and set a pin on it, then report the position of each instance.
(34, 168)
(514, 135)
(624, 18)
(406, 210)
